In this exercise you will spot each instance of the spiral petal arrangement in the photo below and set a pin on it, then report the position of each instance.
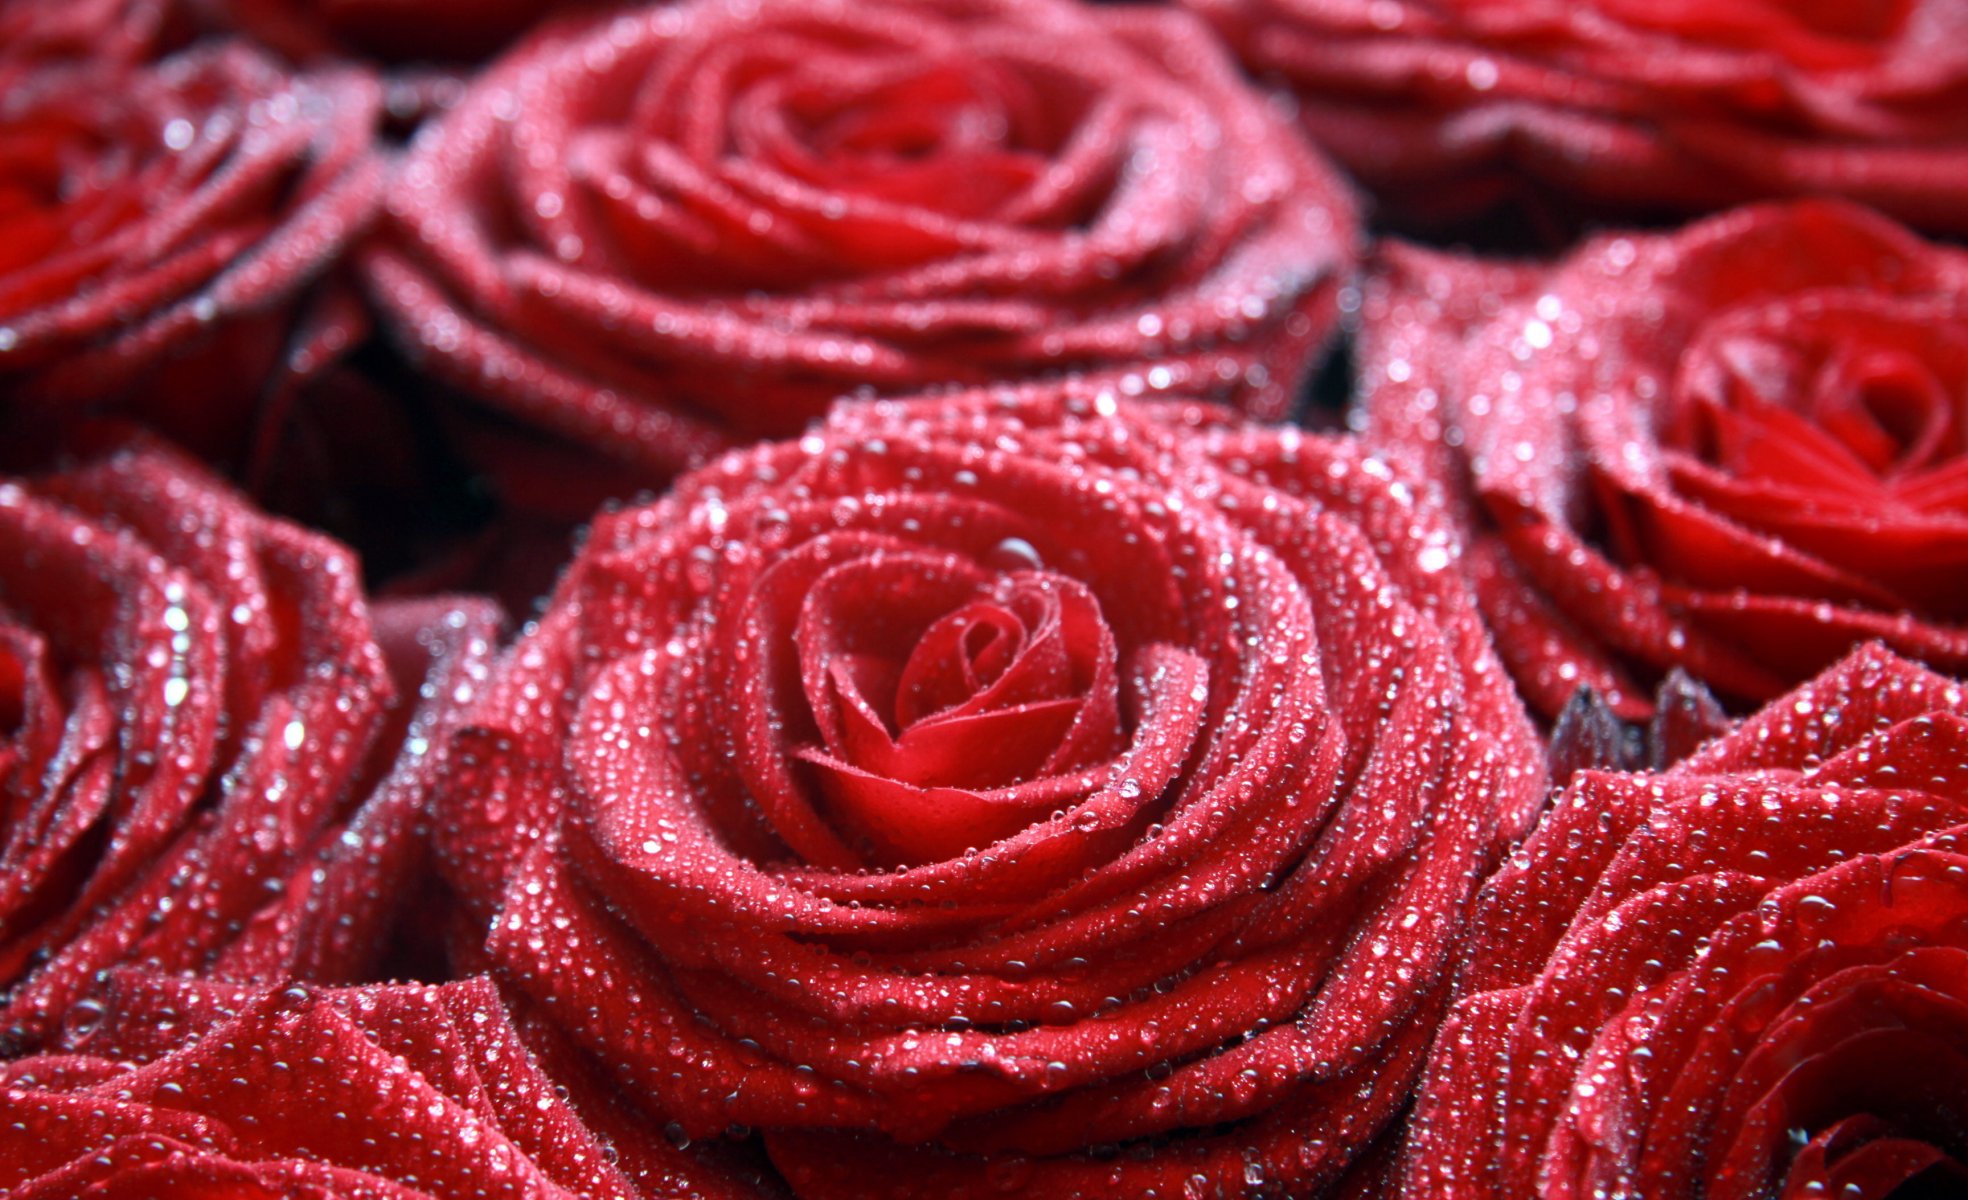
(990, 779)
(1740, 449)
(212, 757)
(1450, 107)
(658, 231)
(162, 230)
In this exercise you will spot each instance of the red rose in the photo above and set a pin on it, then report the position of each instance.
(161, 232)
(1739, 449)
(204, 763)
(663, 229)
(990, 781)
(195, 1090)
(1444, 107)
(1745, 977)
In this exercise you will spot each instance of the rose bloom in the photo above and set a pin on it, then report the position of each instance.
(184, 1089)
(213, 756)
(164, 231)
(1745, 977)
(1446, 107)
(656, 231)
(1002, 793)
(1739, 449)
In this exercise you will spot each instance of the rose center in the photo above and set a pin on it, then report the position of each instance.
(981, 696)
(963, 655)
(1816, 444)
(935, 108)
(953, 706)
(1898, 417)
(956, 137)
(1850, 399)
(979, 643)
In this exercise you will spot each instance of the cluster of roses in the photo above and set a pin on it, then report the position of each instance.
(1030, 770)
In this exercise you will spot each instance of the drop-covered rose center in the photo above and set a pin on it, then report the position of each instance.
(953, 705)
(956, 135)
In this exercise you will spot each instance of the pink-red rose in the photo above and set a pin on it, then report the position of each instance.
(164, 233)
(1448, 107)
(1018, 792)
(211, 756)
(656, 231)
(1746, 977)
(1739, 449)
